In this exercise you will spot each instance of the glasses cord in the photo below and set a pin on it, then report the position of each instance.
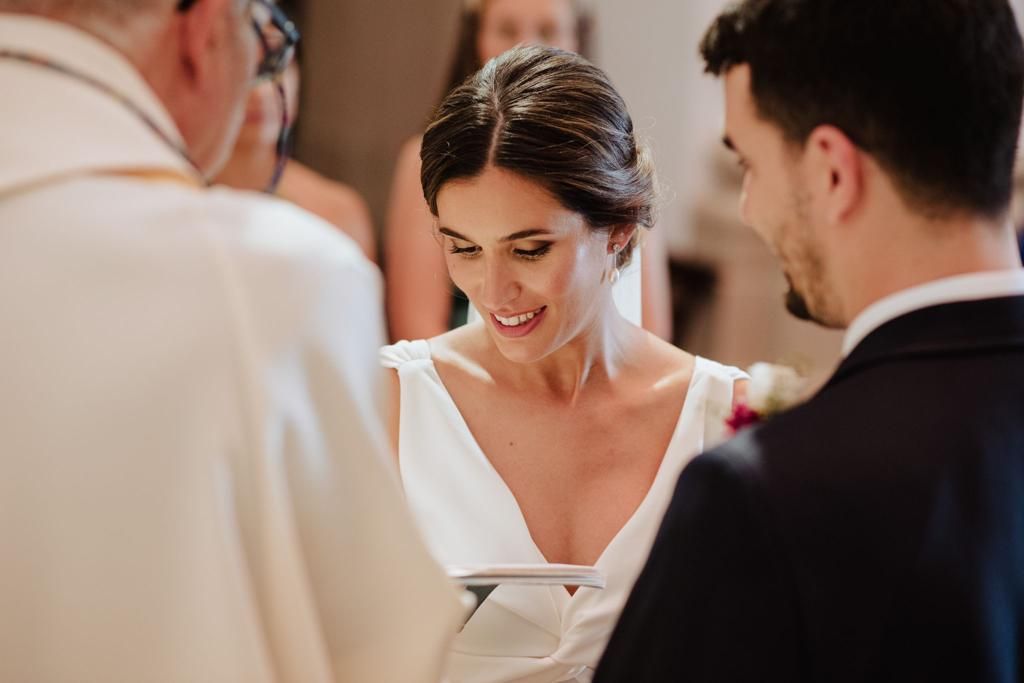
(110, 92)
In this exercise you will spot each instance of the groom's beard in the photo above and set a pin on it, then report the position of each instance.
(796, 304)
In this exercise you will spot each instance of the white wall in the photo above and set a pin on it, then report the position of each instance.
(649, 48)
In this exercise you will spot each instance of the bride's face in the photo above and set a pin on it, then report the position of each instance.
(533, 268)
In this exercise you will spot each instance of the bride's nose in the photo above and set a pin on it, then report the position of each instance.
(500, 286)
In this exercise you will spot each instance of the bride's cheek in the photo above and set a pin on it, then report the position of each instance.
(564, 280)
(458, 271)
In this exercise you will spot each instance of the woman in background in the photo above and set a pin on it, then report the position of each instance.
(254, 157)
(552, 430)
(420, 297)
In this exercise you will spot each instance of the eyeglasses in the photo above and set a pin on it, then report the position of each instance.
(277, 33)
(278, 36)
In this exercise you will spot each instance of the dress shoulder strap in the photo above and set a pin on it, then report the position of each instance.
(396, 355)
(726, 373)
(715, 382)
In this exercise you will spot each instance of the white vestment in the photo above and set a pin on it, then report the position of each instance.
(195, 485)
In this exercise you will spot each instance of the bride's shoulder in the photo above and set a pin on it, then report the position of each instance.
(666, 362)
(671, 367)
(461, 351)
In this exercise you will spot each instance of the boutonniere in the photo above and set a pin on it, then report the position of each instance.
(771, 390)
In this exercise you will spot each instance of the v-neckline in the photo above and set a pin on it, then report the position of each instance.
(645, 501)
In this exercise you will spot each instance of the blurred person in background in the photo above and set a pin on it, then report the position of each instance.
(421, 300)
(253, 161)
(196, 481)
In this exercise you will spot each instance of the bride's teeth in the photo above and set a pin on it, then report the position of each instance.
(517, 320)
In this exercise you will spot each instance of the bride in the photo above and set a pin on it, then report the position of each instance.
(553, 430)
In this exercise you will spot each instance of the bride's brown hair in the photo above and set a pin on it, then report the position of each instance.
(553, 118)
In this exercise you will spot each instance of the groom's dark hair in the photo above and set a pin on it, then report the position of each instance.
(930, 88)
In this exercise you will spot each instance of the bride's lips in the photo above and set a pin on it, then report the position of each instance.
(516, 331)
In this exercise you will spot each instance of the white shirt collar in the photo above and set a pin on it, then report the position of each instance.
(970, 287)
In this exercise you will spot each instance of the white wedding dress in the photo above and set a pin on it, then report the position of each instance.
(527, 634)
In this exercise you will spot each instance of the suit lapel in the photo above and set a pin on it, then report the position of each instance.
(962, 328)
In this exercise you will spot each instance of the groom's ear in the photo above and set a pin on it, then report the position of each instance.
(834, 171)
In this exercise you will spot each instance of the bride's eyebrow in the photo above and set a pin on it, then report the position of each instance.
(526, 234)
(454, 235)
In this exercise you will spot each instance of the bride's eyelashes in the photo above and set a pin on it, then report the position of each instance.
(533, 254)
(467, 252)
(526, 254)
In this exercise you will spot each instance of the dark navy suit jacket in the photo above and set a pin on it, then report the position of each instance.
(875, 533)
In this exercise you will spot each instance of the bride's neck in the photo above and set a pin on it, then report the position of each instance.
(594, 357)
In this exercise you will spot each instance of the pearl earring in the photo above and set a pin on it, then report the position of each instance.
(616, 272)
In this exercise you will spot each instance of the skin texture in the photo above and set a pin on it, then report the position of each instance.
(252, 162)
(557, 412)
(841, 230)
(418, 290)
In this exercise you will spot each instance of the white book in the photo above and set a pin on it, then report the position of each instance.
(482, 579)
(526, 574)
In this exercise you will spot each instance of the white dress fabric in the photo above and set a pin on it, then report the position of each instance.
(196, 485)
(528, 634)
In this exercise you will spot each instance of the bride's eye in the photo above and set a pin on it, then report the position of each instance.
(533, 254)
(467, 251)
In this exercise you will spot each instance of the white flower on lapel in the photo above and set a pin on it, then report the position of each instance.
(773, 388)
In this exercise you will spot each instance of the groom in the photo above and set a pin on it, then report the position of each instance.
(875, 533)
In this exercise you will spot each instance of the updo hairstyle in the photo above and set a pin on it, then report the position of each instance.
(553, 118)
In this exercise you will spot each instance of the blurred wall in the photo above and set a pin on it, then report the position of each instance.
(650, 52)
(372, 71)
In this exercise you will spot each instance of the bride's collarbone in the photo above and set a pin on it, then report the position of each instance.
(596, 438)
(639, 408)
